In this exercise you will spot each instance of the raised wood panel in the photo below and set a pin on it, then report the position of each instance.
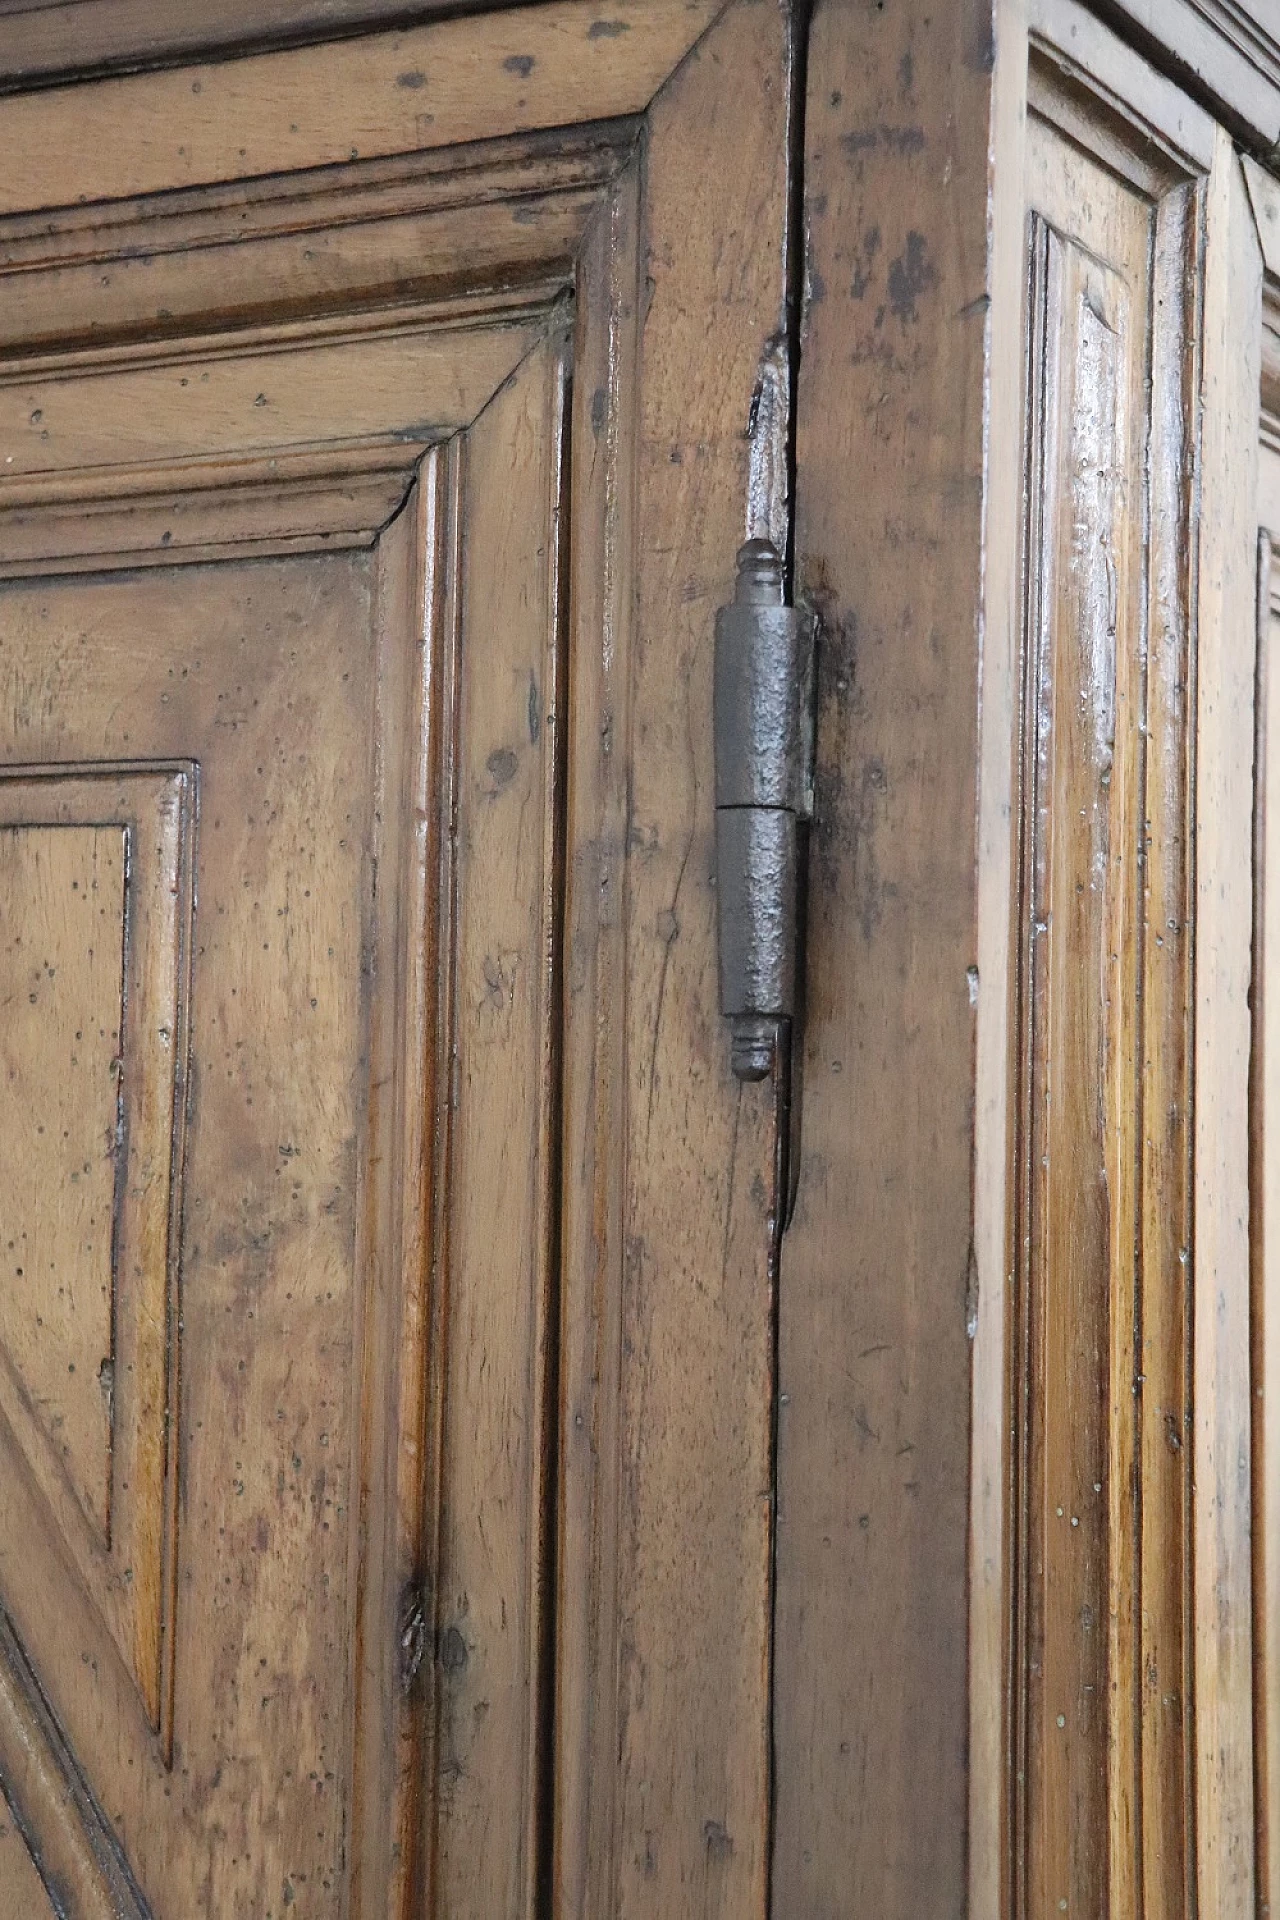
(98, 899)
(1101, 1223)
(1229, 50)
(57, 38)
(1078, 1203)
(64, 951)
(426, 87)
(1112, 1653)
(18, 1870)
(322, 509)
(500, 1173)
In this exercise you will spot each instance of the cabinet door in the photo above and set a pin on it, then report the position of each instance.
(384, 1330)
(1014, 1408)
(1111, 1364)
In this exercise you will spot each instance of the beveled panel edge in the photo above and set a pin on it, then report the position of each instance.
(138, 1613)
(1218, 50)
(20, 1403)
(358, 248)
(351, 323)
(205, 510)
(1264, 200)
(75, 1853)
(307, 199)
(1088, 55)
(132, 436)
(88, 770)
(49, 42)
(439, 85)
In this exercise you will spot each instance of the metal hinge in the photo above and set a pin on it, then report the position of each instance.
(764, 744)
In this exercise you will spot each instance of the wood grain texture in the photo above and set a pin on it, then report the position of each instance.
(1121, 1798)
(18, 1870)
(431, 86)
(469, 437)
(1229, 50)
(1264, 1101)
(1102, 1225)
(1224, 903)
(127, 1128)
(63, 946)
(78, 1862)
(876, 1267)
(589, 1517)
(699, 1203)
(60, 39)
(259, 1420)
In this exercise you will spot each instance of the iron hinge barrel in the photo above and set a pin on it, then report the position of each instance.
(764, 752)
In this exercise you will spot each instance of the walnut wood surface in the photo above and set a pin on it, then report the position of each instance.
(1053, 538)
(367, 492)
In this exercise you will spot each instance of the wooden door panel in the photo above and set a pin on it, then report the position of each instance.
(270, 673)
(264, 674)
(500, 1168)
(361, 527)
(98, 894)
(1101, 1204)
(1115, 1771)
(17, 1870)
(408, 91)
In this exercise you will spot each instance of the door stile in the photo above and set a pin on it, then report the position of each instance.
(600, 468)
(387, 1557)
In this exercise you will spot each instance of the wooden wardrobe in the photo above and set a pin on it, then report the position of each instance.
(465, 1453)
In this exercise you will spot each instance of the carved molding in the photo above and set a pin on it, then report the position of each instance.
(76, 1854)
(123, 1543)
(443, 85)
(1244, 28)
(205, 510)
(1226, 52)
(65, 39)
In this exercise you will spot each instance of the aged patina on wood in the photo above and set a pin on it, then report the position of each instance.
(1014, 1303)
(386, 1417)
